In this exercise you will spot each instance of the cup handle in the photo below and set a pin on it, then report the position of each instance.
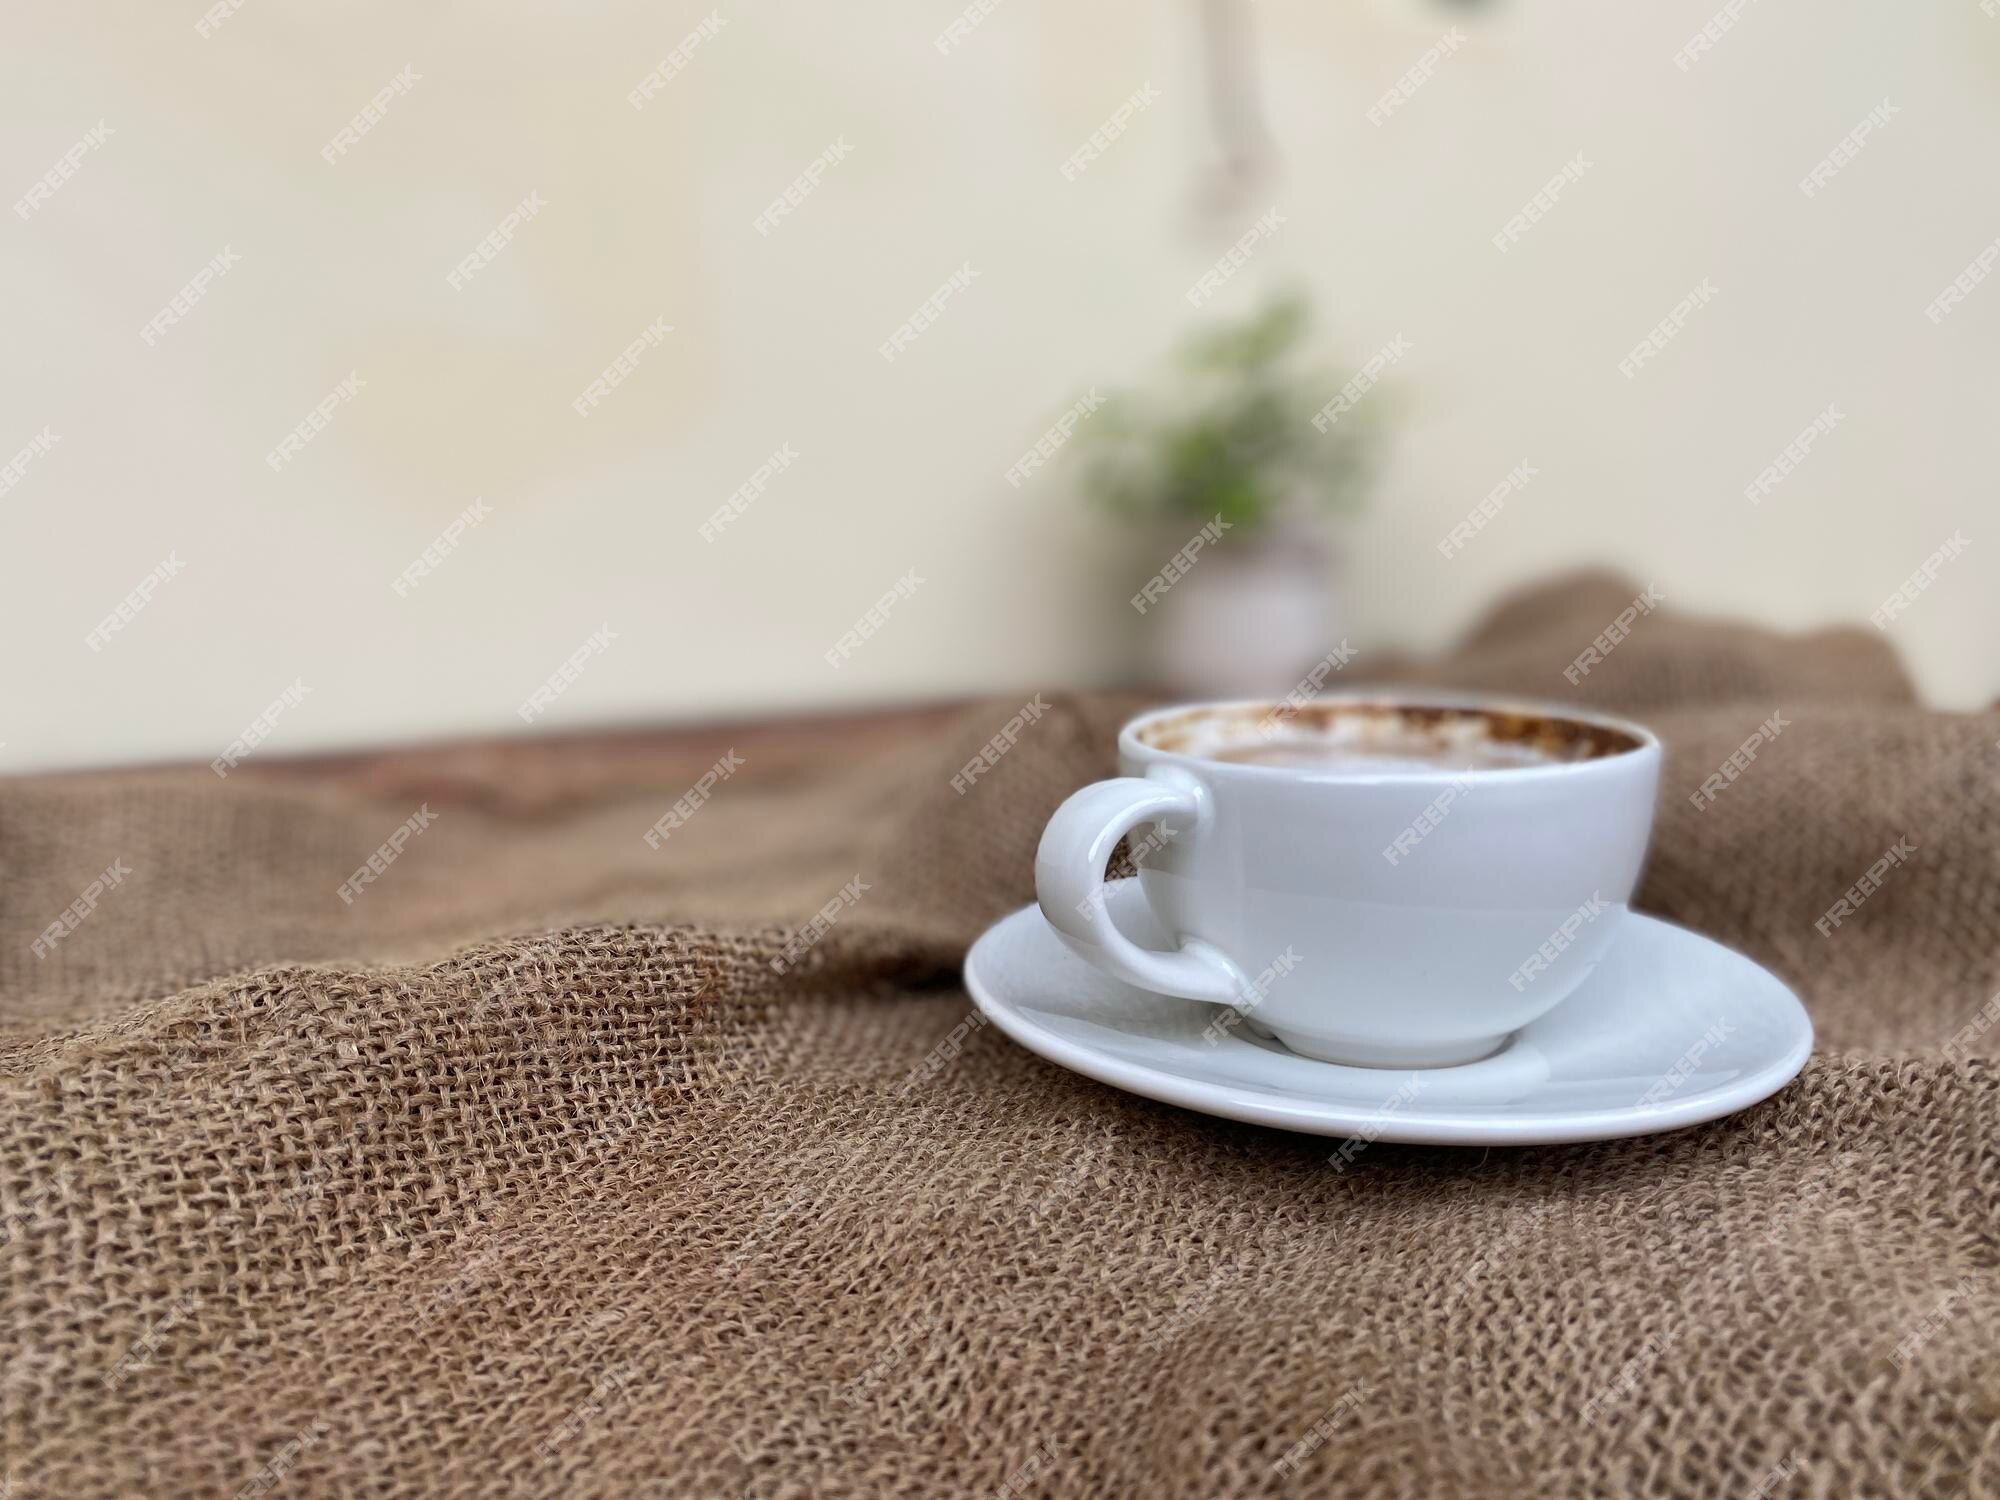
(1069, 883)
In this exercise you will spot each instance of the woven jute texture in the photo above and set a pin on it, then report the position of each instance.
(527, 1171)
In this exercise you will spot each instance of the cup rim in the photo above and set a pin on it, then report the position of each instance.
(1398, 696)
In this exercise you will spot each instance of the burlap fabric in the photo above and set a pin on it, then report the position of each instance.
(527, 1173)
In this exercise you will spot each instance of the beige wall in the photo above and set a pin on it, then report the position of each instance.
(215, 142)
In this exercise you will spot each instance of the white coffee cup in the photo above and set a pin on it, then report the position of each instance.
(1439, 870)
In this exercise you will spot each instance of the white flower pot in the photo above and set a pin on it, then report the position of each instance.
(1251, 617)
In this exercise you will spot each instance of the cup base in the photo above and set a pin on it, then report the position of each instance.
(1455, 1054)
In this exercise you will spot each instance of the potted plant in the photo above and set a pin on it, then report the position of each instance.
(1230, 484)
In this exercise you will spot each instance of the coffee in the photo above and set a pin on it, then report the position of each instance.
(1384, 757)
(1383, 739)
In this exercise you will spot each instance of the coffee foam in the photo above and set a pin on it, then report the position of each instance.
(1384, 737)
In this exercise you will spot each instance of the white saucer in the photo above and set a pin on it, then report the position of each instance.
(1671, 1030)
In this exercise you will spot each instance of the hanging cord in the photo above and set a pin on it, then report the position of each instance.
(1236, 108)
